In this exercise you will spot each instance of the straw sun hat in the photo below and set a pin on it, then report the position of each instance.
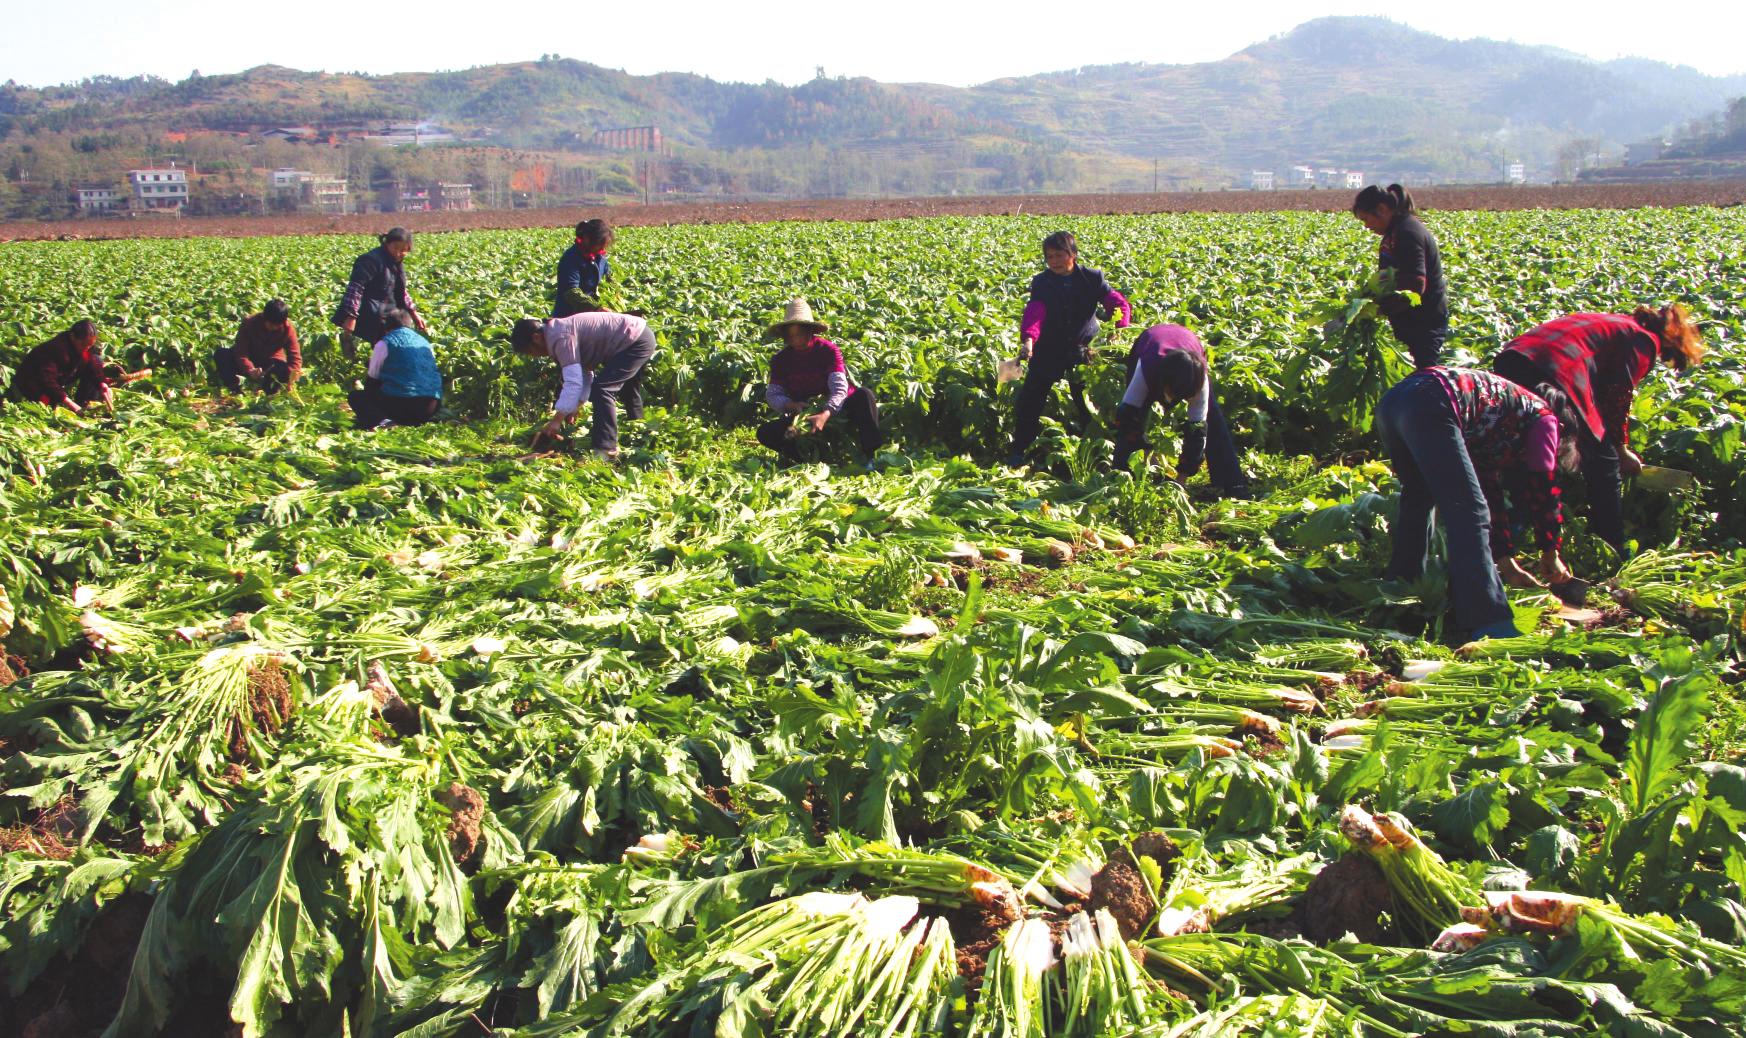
(798, 312)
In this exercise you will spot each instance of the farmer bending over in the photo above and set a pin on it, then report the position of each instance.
(599, 355)
(1597, 360)
(1460, 441)
(1167, 364)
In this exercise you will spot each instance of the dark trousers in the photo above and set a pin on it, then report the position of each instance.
(1424, 342)
(621, 373)
(277, 372)
(1042, 372)
(1422, 437)
(370, 406)
(1600, 459)
(859, 408)
(1213, 442)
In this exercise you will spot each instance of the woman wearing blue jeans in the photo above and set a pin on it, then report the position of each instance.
(1475, 447)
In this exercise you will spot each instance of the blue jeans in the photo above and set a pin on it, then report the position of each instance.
(1417, 424)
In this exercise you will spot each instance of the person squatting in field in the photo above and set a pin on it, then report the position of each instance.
(265, 352)
(582, 268)
(1597, 360)
(1167, 364)
(1410, 253)
(599, 354)
(1477, 448)
(1055, 334)
(377, 284)
(68, 371)
(402, 385)
(808, 378)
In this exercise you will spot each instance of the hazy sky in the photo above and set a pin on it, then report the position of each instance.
(785, 40)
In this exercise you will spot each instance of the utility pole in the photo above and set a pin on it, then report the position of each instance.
(1154, 176)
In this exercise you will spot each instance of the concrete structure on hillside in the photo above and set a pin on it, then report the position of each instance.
(451, 197)
(309, 192)
(1646, 151)
(630, 138)
(415, 134)
(1516, 173)
(98, 200)
(1300, 177)
(1261, 180)
(158, 188)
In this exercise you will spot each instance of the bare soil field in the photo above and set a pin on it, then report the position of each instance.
(1583, 196)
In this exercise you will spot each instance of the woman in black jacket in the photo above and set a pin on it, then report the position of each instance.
(1409, 250)
(377, 285)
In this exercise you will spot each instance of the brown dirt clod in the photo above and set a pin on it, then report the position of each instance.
(49, 832)
(1119, 888)
(1347, 896)
(12, 668)
(396, 712)
(468, 808)
(976, 932)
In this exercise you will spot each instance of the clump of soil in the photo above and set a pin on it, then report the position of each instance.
(76, 997)
(976, 931)
(397, 712)
(1259, 735)
(1364, 681)
(50, 832)
(1119, 887)
(270, 707)
(11, 669)
(468, 808)
(1348, 896)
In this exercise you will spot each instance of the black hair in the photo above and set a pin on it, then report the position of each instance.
(594, 233)
(1183, 374)
(1062, 240)
(521, 336)
(396, 234)
(1569, 425)
(397, 317)
(83, 330)
(276, 311)
(1373, 198)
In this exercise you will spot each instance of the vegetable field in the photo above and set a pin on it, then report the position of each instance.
(307, 731)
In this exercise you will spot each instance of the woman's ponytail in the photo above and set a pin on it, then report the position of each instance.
(1681, 344)
(1569, 425)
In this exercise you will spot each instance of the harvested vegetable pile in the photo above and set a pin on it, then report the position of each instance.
(318, 732)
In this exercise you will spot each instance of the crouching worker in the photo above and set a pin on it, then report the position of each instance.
(599, 354)
(1167, 365)
(68, 371)
(807, 377)
(265, 352)
(1475, 447)
(402, 385)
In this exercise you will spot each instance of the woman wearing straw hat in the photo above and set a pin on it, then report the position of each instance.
(808, 373)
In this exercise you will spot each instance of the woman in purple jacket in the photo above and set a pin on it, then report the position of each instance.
(808, 377)
(1166, 365)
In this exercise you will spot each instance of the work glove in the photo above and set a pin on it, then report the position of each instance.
(1193, 451)
(1130, 433)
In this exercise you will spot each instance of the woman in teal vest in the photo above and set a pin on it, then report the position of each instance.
(402, 385)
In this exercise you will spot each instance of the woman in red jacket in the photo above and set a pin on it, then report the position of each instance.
(1597, 360)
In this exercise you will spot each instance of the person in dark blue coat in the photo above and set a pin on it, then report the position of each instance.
(582, 268)
(377, 285)
(1055, 334)
(402, 385)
